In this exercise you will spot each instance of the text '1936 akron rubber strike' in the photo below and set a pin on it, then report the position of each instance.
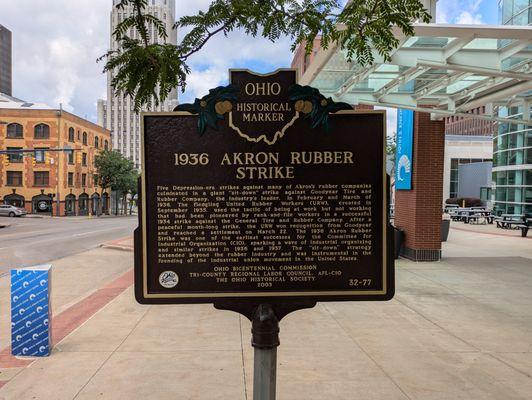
(263, 190)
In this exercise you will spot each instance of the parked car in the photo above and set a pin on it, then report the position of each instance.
(11, 211)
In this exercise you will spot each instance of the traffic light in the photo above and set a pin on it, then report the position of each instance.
(79, 157)
(47, 157)
(33, 160)
(5, 160)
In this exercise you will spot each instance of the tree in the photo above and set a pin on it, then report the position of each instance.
(127, 184)
(391, 147)
(115, 172)
(147, 72)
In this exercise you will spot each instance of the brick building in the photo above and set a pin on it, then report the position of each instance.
(43, 180)
(301, 60)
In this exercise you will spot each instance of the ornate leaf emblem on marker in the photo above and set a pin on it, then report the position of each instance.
(315, 106)
(212, 107)
(307, 100)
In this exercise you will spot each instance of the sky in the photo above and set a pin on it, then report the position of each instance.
(56, 44)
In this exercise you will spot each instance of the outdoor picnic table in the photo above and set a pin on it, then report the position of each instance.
(450, 208)
(515, 221)
(472, 215)
(507, 221)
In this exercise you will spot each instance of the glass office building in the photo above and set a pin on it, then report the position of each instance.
(512, 145)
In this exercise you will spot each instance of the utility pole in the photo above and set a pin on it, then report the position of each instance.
(58, 200)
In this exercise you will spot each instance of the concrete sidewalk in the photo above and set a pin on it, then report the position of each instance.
(457, 329)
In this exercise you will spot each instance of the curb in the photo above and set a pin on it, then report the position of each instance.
(116, 247)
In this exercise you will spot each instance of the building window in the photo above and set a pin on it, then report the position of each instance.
(41, 131)
(70, 179)
(40, 154)
(14, 178)
(84, 159)
(85, 138)
(41, 178)
(96, 142)
(106, 145)
(455, 163)
(15, 157)
(83, 180)
(70, 157)
(95, 177)
(14, 131)
(71, 135)
(78, 135)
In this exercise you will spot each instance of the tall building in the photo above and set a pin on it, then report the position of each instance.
(35, 175)
(512, 143)
(5, 61)
(117, 113)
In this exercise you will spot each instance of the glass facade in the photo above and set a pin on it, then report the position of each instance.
(512, 143)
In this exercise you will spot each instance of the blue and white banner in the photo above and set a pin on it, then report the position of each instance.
(31, 313)
(403, 157)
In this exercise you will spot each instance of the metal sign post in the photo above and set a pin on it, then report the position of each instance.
(265, 330)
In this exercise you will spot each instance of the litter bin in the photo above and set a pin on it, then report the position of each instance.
(399, 236)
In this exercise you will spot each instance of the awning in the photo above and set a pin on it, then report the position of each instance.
(444, 69)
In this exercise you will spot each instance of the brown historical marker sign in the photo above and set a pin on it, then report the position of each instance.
(259, 192)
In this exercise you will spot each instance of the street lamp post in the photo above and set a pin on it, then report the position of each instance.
(58, 201)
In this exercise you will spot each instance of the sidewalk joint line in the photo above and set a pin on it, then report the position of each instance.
(493, 355)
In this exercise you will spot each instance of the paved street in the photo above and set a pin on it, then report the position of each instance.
(30, 241)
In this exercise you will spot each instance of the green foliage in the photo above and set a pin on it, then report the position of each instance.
(391, 145)
(128, 182)
(206, 106)
(147, 72)
(321, 106)
(115, 171)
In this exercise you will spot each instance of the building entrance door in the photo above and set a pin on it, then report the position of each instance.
(41, 204)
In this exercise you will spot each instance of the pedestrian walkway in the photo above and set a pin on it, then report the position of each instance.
(456, 329)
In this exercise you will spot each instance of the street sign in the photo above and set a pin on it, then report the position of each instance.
(263, 191)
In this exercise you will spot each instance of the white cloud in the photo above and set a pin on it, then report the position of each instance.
(199, 82)
(391, 120)
(467, 18)
(55, 46)
(459, 12)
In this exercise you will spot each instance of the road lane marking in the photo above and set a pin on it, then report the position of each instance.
(98, 231)
(57, 238)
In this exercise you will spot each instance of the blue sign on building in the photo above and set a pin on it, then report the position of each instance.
(30, 311)
(403, 157)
